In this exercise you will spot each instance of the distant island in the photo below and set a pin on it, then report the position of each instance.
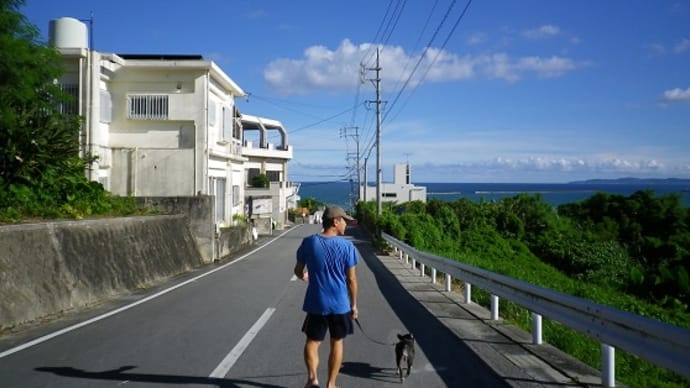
(635, 181)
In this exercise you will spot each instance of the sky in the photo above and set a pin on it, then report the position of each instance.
(484, 91)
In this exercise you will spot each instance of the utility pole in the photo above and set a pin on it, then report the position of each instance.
(366, 179)
(355, 135)
(377, 84)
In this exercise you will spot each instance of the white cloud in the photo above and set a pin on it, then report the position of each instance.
(320, 68)
(677, 94)
(501, 66)
(563, 167)
(257, 14)
(545, 31)
(546, 67)
(656, 49)
(516, 169)
(682, 46)
(476, 39)
(324, 69)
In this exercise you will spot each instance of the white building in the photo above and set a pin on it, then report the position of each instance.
(400, 191)
(271, 159)
(165, 125)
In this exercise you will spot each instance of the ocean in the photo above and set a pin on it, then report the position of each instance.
(338, 193)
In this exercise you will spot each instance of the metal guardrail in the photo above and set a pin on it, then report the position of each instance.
(660, 343)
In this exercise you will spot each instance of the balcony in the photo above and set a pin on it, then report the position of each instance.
(271, 151)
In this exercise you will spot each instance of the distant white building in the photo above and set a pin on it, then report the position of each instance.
(400, 191)
(168, 126)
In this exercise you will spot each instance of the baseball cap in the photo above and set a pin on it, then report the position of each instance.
(335, 212)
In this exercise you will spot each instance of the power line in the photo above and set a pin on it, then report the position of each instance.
(419, 39)
(421, 58)
(385, 16)
(282, 104)
(324, 120)
(399, 7)
(433, 61)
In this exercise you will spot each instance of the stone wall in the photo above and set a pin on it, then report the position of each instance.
(48, 268)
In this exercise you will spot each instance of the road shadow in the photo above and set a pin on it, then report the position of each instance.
(121, 374)
(456, 364)
(367, 371)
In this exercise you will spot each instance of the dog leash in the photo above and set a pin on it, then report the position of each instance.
(369, 338)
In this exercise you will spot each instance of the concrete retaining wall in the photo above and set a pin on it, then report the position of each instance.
(199, 212)
(212, 245)
(52, 267)
(234, 239)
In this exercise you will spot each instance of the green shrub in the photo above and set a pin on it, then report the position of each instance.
(571, 251)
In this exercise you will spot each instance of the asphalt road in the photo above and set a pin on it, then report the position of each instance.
(238, 325)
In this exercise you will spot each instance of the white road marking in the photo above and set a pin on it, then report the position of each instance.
(229, 360)
(293, 278)
(129, 306)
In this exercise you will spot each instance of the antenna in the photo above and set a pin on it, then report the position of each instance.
(407, 157)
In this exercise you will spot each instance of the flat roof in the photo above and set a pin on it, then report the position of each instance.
(162, 57)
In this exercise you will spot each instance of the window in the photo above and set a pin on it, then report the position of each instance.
(106, 107)
(212, 113)
(251, 173)
(218, 188)
(228, 123)
(389, 195)
(147, 107)
(70, 106)
(237, 124)
(273, 176)
(235, 195)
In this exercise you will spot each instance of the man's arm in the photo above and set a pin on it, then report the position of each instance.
(351, 277)
(299, 271)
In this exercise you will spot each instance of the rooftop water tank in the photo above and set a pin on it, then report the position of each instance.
(68, 32)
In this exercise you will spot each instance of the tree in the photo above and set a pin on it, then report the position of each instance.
(260, 181)
(41, 171)
(34, 135)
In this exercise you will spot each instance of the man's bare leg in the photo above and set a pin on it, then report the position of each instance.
(335, 360)
(311, 359)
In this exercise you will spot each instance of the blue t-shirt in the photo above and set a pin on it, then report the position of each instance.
(327, 260)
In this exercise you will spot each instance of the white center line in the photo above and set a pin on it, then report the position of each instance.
(229, 360)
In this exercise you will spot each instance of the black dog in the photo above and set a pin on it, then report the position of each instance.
(404, 353)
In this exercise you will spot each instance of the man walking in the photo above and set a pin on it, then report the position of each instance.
(331, 298)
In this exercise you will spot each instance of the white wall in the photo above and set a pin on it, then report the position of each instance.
(149, 172)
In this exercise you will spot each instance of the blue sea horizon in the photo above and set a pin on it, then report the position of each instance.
(339, 193)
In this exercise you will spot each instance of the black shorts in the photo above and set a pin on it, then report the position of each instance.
(338, 325)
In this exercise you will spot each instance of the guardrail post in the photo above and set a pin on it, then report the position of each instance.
(536, 329)
(448, 282)
(494, 308)
(468, 293)
(422, 267)
(407, 259)
(414, 263)
(608, 365)
(400, 254)
(433, 275)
